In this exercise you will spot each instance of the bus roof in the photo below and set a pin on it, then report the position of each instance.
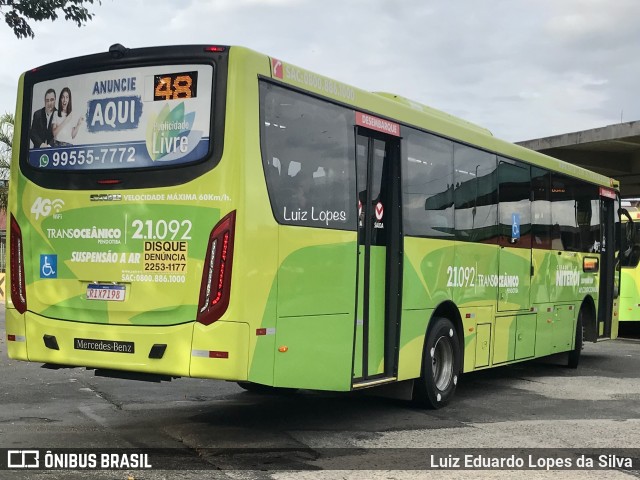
(394, 107)
(434, 112)
(415, 114)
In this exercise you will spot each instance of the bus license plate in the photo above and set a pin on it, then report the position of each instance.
(110, 293)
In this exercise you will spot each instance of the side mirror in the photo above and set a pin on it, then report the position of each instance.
(629, 230)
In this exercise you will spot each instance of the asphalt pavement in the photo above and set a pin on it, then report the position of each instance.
(214, 429)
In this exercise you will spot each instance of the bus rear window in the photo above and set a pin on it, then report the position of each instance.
(147, 117)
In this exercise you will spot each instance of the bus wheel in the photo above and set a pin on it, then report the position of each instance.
(265, 389)
(440, 366)
(574, 355)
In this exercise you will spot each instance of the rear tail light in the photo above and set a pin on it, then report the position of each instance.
(216, 277)
(18, 290)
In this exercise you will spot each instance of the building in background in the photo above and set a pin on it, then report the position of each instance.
(613, 151)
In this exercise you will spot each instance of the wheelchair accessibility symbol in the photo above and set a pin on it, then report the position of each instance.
(515, 226)
(48, 266)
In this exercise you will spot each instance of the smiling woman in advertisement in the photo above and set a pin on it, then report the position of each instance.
(64, 126)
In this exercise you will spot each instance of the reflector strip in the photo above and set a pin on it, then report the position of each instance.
(16, 338)
(265, 331)
(213, 354)
(470, 315)
(209, 354)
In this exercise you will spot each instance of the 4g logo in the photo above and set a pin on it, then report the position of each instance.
(42, 206)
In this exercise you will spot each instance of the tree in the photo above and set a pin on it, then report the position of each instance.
(7, 122)
(17, 13)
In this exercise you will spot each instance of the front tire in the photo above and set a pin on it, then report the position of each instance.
(441, 362)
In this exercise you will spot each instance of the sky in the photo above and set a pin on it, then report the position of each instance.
(524, 69)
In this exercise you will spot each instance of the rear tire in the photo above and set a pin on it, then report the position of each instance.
(441, 361)
(574, 355)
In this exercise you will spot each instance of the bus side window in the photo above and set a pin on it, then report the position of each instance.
(314, 141)
(475, 194)
(514, 207)
(541, 208)
(427, 185)
(576, 213)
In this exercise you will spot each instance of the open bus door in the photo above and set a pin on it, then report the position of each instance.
(627, 265)
(379, 254)
(608, 282)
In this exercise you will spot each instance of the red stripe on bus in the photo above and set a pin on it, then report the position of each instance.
(213, 354)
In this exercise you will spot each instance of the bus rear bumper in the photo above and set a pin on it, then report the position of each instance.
(187, 350)
(220, 350)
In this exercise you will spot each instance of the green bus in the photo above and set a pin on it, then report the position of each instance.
(212, 212)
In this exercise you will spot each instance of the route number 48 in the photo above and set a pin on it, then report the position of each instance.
(175, 86)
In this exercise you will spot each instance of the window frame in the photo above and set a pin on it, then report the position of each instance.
(133, 178)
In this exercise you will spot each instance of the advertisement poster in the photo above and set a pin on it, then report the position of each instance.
(129, 118)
